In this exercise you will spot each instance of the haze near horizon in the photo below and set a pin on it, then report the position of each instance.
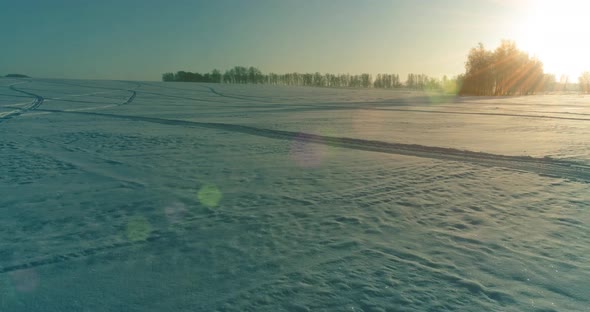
(139, 40)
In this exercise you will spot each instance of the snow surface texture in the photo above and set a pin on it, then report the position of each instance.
(146, 196)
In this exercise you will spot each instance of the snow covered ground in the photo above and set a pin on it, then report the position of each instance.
(148, 196)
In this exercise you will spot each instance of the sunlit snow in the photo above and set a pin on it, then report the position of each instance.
(149, 196)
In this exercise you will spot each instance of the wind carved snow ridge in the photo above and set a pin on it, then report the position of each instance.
(542, 166)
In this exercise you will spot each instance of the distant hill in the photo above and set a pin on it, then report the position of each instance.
(16, 76)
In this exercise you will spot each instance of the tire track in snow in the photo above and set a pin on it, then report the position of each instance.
(383, 107)
(129, 100)
(154, 236)
(76, 101)
(39, 100)
(12, 95)
(542, 166)
(523, 111)
(173, 88)
(80, 85)
(478, 113)
(182, 97)
(34, 104)
(533, 104)
(232, 96)
(212, 90)
(55, 259)
(547, 112)
(85, 252)
(135, 91)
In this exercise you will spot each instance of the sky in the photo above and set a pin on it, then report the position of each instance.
(141, 39)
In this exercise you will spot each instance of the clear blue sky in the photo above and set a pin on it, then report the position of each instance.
(139, 40)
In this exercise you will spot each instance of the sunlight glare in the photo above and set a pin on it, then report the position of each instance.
(555, 32)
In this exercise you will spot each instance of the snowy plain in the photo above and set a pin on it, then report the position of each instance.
(150, 196)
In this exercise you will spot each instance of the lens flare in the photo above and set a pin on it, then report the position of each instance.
(555, 31)
(25, 281)
(138, 229)
(175, 212)
(306, 153)
(209, 196)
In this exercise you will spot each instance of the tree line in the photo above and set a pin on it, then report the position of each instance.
(252, 75)
(503, 71)
(16, 76)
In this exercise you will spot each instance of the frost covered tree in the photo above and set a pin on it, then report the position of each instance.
(215, 76)
(479, 71)
(584, 81)
(242, 74)
(504, 71)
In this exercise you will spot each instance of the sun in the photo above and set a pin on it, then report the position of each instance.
(557, 33)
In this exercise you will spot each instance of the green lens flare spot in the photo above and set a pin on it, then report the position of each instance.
(138, 229)
(209, 195)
